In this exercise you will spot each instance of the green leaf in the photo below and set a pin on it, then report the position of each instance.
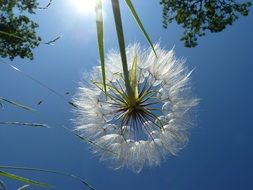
(100, 38)
(137, 19)
(25, 124)
(17, 104)
(22, 179)
(133, 76)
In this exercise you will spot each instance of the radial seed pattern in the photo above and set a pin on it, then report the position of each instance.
(143, 131)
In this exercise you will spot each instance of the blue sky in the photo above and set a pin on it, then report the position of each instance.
(220, 152)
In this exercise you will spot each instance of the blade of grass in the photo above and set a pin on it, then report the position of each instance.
(100, 38)
(49, 171)
(23, 187)
(25, 124)
(38, 82)
(47, 6)
(17, 104)
(93, 143)
(24, 180)
(139, 23)
(52, 42)
(32, 78)
(121, 41)
(88, 141)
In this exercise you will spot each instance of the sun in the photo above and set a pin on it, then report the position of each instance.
(83, 7)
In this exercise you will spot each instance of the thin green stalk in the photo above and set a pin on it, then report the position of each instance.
(24, 180)
(100, 37)
(16, 104)
(120, 34)
(138, 21)
(24, 124)
(24, 187)
(37, 82)
(46, 171)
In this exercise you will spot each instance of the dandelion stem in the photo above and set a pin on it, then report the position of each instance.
(120, 34)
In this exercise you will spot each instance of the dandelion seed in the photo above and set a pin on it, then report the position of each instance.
(143, 130)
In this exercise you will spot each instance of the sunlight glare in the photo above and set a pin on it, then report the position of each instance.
(84, 7)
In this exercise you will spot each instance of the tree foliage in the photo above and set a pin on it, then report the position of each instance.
(199, 16)
(17, 32)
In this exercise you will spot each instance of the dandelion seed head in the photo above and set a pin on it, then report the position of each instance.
(145, 131)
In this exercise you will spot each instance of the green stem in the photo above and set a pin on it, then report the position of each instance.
(100, 37)
(48, 171)
(120, 34)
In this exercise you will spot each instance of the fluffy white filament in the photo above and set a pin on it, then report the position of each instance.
(137, 143)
